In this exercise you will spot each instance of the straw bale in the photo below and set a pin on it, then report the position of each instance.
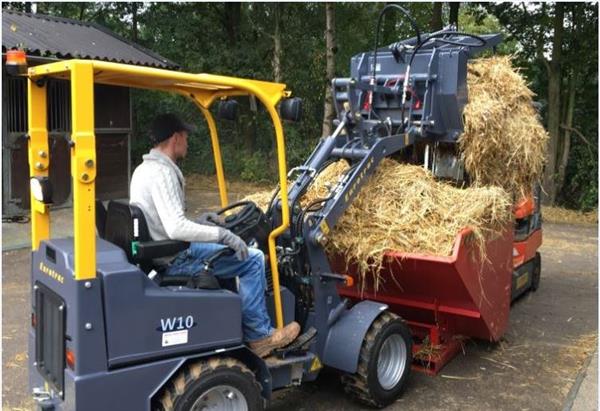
(261, 199)
(503, 143)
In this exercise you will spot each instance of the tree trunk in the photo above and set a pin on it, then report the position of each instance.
(328, 114)
(82, 8)
(566, 146)
(453, 19)
(233, 15)
(134, 22)
(436, 23)
(554, 79)
(277, 44)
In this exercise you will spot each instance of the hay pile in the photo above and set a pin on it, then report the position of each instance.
(403, 208)
(504, 142)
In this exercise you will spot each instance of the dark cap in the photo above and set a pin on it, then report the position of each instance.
(165, 125)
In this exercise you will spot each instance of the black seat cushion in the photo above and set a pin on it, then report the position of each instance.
(126, 227)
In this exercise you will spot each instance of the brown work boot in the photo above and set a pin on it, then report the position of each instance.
(279, 338)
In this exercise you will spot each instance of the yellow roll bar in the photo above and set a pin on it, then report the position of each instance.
(202, 89)
(39, 157)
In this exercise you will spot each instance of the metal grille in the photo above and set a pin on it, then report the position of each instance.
(17, 105)
(59, 105)
(50, 312)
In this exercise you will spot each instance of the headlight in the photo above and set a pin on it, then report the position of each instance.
(41, 189)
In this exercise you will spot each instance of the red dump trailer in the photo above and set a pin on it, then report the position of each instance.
(446, 299)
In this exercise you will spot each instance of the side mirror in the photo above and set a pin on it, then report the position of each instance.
(227, 110)
(291, 109)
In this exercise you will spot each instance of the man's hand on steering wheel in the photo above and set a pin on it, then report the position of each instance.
(210, 218)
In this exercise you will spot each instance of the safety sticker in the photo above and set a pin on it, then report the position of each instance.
(174, 338)
(316, 365)
(522, 280)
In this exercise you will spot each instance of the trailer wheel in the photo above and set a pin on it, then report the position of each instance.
(384, 363)
(213, 384)
(537, 272)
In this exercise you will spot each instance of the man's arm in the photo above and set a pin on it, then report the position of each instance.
(171, 214)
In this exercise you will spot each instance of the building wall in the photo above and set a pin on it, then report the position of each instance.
(112, 113)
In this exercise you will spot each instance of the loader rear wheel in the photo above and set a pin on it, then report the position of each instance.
(384, 363)
(215, 384)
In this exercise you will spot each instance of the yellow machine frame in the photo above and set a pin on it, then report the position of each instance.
(202, 89)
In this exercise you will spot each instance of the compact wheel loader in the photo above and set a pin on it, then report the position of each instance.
(110, 332)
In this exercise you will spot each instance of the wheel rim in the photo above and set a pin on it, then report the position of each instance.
(391, 361)
(221, 398)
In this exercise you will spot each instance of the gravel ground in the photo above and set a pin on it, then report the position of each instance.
(551, 335)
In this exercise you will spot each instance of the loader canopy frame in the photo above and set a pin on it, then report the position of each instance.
(202, 89)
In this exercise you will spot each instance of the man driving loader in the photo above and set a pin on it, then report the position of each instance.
(157, 187)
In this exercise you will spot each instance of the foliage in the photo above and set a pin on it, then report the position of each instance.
(237, 39)
(531, 26)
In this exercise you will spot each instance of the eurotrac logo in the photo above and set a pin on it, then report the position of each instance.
(55, 275)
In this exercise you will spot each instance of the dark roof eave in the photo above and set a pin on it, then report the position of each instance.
(166, 61)
(144, 56)
(35, 55)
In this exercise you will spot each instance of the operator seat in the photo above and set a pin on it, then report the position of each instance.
(126, 227)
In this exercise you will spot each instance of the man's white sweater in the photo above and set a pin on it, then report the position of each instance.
(157, 187)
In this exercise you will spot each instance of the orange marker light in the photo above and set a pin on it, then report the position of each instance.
(70, 357)
(16, 62)
(349, 281)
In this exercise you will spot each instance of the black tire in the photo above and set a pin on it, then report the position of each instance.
(537, 272)
(198, 378)
(364, 385)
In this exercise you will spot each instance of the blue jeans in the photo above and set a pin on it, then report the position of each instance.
(256, 323)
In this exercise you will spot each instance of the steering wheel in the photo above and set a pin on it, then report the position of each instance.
(231, 220)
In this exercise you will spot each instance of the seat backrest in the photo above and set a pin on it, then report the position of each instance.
(100, 218)
(125, 223)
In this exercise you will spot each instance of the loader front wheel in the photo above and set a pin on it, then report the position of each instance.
(384, 363)
(214, 384)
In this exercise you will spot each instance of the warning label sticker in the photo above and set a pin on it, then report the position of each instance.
(174, 338)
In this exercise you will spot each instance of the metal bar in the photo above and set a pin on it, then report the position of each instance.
(351, 186)
(214, 138)
(285, 211)
(17, 106)
(13, 105)
(83, 169)
(352, 153)
(317, 158)
(39, 158)
(166, 80)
